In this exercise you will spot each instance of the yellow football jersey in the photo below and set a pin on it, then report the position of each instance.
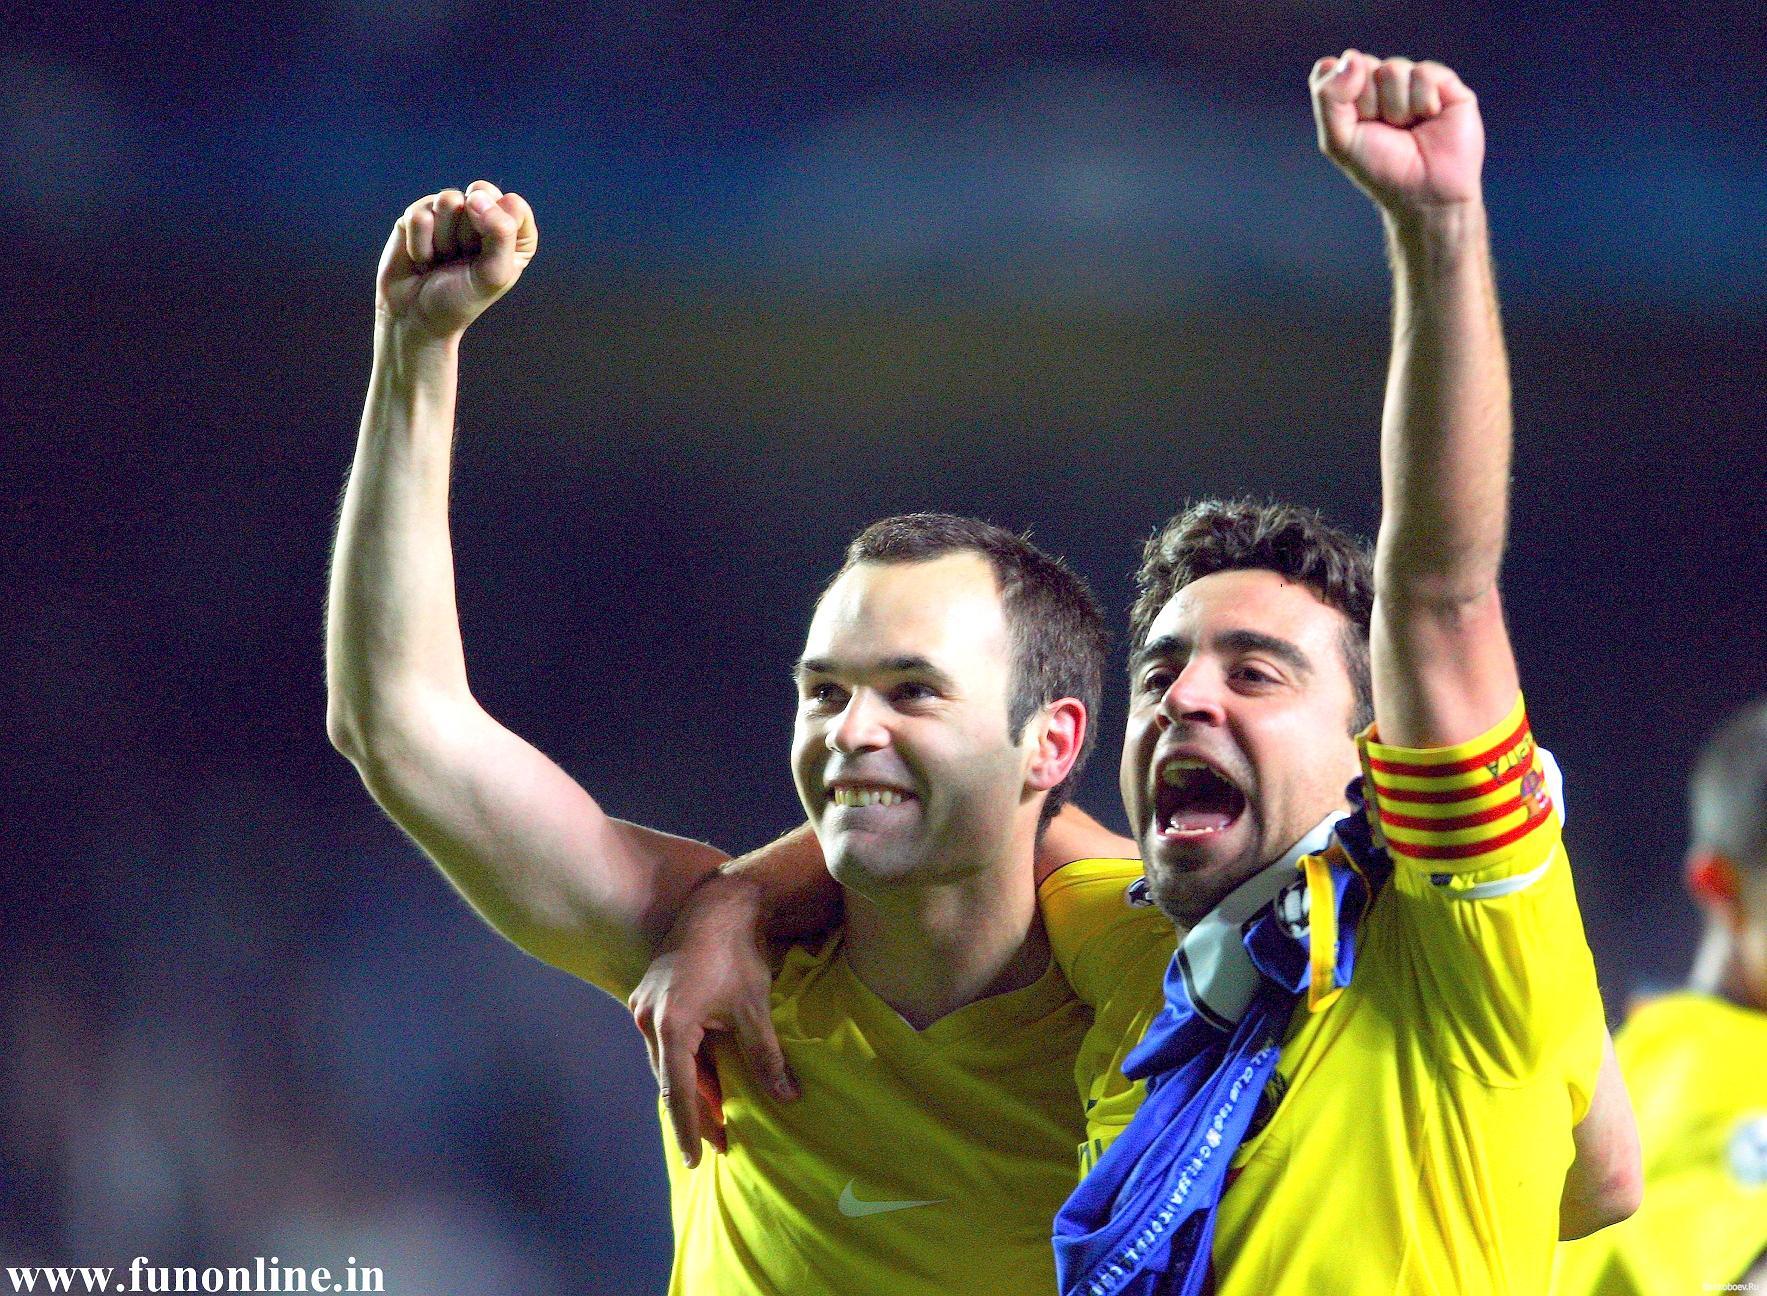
(1696, 1067)
(1416, 1135)
(916, 1162)
(1114, 947)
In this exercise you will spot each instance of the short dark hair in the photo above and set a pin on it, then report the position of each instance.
(1057, 631)
(1215, 535)
(1728, 790)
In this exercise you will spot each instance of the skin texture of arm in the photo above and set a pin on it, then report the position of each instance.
(520, 839)
(711, 974)
(1606, 1182)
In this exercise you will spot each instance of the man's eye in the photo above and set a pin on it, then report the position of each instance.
(1254, 675)
(909, 691)
(824, 695)
(1156, 682)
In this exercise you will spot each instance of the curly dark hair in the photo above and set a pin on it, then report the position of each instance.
(1058, 637)
(1216, 535)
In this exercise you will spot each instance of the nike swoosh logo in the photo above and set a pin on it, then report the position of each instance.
(853, 1208)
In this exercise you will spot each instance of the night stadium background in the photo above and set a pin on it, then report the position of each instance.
(1060, 265)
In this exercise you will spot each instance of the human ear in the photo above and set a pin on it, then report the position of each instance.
(1060, 734)
(1714, 883)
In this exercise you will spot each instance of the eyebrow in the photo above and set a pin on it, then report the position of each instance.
(1172, 647)
(904, 664)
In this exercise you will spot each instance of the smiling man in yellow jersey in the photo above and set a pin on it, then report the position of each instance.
(948, 680)
(1696, 1062)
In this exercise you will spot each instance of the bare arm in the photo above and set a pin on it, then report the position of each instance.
(1410, 135)
(1605, 1183)
(527, 846)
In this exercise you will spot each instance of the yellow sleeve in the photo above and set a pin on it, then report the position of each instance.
(1487, 913)
(1113, 946)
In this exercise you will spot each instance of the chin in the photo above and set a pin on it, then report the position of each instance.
(1187, 879)
(865, 869)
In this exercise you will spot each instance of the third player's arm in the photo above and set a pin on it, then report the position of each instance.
(527, 846)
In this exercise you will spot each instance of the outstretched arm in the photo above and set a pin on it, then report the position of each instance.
(1409, 134)
(527, 846)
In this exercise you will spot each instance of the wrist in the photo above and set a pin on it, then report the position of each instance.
(1437, 233)
(397, 336)
(726, 899)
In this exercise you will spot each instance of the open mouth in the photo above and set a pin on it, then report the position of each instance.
(855, 796)
(1194, 800)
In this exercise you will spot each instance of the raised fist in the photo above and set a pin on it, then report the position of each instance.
(1408, 133)
(451, 255)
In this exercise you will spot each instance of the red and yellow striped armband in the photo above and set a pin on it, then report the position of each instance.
(1462, 808)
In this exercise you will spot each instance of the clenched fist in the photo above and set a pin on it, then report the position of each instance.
(451, 255)
(1408, 133)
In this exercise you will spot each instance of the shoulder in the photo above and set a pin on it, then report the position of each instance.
(1101, 921)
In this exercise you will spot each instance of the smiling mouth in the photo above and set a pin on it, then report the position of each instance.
(1194, 801)
(854, 797)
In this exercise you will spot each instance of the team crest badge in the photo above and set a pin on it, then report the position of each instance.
(1748, 1151)
(1136, 895)
(1534, 789)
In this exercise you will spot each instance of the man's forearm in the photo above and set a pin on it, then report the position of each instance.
(1445, 446)
(392, 631)
(1605, 1182)
(1410, 135)
(790, 887)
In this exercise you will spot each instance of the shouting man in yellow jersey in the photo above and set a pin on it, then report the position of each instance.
(1696, 1062)
(1375, 1057)
(946, 690)
(1416, 1009)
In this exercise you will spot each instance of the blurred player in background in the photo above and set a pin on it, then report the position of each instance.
(1696, 1061)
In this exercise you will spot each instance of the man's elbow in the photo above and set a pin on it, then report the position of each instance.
(1614, 1197)
(381, 728)
(344, 728)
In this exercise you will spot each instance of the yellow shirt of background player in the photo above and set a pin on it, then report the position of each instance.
(1696, 1067)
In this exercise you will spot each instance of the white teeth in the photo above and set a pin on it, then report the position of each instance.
(1173, 774)
(852, 796)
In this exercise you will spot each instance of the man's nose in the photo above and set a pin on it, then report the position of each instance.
(1195, 696)
(859, 727)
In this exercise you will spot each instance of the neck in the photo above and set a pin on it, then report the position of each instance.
(929, 950)
(1718, 970)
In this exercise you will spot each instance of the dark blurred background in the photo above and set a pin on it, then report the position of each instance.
(1061, 265)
